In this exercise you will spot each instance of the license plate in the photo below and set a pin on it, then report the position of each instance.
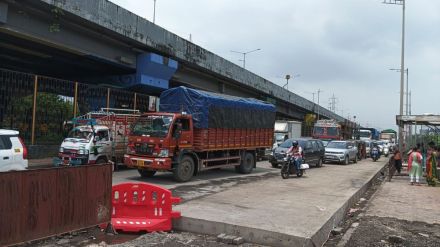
(329, 156)
(140, 163)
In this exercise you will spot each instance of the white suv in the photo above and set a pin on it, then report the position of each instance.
(13, 152)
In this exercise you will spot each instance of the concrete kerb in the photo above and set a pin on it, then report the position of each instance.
(321, 236)
(251, 235)
(259, 236)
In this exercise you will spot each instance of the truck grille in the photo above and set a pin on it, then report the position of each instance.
(144, 149)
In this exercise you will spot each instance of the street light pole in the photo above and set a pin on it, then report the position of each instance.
(407, 89)
(287, 82)
(244, 55)
(288, 77)
(402, 65)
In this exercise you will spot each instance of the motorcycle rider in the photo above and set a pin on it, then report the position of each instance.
(375, 148)
(296, 152)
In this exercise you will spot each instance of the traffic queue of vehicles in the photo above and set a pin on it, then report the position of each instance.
(193, 131)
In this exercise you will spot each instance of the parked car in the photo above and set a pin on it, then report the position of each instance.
(313, 151)
(13, 152)
(341, 151)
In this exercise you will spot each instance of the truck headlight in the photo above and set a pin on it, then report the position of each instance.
(81, 151)
(61, 150)
(163, 153)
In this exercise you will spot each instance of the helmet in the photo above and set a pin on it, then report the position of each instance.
(294, 144)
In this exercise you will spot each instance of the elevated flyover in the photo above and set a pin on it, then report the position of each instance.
(100, 42)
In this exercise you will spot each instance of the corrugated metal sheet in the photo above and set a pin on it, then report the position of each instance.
(39, 203)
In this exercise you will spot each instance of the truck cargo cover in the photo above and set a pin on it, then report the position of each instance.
(212, 110)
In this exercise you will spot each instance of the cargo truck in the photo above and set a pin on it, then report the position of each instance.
(368, 134)
(97, 137)
(196, 130)
(286, 129)
(327, 129)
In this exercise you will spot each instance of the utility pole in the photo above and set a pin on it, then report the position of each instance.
(410, 127)
(407, 92)
(154, 12)
(332, 103)
(319, 91)
(402, 66)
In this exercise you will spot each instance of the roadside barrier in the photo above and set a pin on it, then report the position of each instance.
(142, 207)
(40, 203)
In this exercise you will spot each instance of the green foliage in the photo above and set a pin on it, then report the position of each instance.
(57, 12)
(52, 110)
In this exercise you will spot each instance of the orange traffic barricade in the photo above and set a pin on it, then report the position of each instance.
(142, 207)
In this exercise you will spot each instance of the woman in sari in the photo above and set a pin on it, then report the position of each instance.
(431, 167)
(415, 166)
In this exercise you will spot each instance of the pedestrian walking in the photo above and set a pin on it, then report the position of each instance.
(415, 166)
(398, 160)
(431, 166)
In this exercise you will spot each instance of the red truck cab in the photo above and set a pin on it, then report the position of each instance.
(155, 140)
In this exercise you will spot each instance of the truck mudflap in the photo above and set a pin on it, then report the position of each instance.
(148, 163)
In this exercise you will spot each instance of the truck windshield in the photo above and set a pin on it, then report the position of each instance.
(318, 130)
(332, 131)
(154, 126)
(365, 133)
(77, 133)
(279, 137)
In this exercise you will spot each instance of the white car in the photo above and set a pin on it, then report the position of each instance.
(13, 152)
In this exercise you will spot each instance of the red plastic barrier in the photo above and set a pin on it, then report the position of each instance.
(142, 207)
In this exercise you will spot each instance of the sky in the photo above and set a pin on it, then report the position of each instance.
(344, 48)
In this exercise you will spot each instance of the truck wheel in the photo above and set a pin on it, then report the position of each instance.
(146, 173)
(101, 161)
(247, 164)
(184, 170)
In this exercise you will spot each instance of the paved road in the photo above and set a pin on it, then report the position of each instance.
(165, 179)
(265, 209)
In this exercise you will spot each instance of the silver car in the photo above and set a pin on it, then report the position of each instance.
(341, 152)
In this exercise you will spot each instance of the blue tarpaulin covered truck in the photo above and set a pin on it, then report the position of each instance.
(197, 130)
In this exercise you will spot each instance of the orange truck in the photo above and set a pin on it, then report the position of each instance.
(197, 130)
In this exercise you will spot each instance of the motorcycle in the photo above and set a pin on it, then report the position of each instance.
(375, 154)
(386, 151)
(289, 167)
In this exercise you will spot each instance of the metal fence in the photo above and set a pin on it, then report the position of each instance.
(39, 106)
(40, 203)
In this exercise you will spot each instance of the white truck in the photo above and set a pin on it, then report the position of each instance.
(286, 130)
(100, 137)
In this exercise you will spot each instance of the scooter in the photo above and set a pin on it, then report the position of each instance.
(375, 154)
(289, 167)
